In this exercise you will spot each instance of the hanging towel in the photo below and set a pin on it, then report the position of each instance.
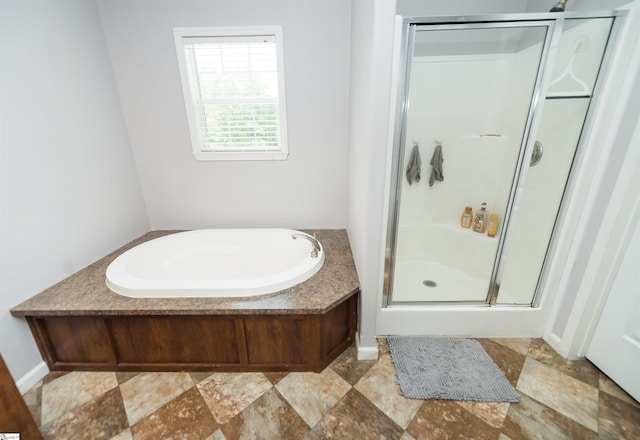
(436, 165)
(413, 167)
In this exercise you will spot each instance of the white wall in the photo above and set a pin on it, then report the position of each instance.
(577, 5)
(430, 8)
(305, 191)
(69, 192)
(372, 28)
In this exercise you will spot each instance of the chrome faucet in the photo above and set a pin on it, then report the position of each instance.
(314, 243)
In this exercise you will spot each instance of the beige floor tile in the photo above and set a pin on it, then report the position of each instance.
(379, 385)
(530, 420)
(560, 392)
(313, 394)
(227, 394)
(493, 413)
(218, 435)
(33, 399)
(268, 417)
(580, 369)
(61, 395)
(355, 417)
(147, 392)
(311, 436)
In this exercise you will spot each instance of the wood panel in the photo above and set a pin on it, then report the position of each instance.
(77, 339)
(174, 340)
(14, 413)
(338, 327)
(335, 327)
(281, 339)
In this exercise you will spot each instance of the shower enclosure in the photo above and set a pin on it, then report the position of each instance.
(490, 110)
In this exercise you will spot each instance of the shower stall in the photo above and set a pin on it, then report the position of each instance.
(491, 110)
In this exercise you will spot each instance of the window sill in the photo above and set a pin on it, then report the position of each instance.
(240, 155)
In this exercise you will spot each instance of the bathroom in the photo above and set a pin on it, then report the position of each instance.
(102, 82)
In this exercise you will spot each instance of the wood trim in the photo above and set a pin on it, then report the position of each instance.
(241, 340)
(42, 341)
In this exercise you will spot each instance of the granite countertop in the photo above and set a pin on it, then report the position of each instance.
(86, 293)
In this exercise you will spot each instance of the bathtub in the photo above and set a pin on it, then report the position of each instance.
(214, 263)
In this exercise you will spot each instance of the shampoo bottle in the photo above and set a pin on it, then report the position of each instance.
(492, 229)
(480, 219)
(467, 217)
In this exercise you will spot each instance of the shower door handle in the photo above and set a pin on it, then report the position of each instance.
(536, 155)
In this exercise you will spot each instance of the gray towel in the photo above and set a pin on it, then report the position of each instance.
(436, 165)
(413, 167)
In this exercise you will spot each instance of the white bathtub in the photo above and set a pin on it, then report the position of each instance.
(214, 263)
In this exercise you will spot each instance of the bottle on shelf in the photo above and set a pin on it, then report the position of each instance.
(492, 229)
(480, 219)
(467, 217)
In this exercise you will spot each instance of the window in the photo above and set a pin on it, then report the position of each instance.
(233, 84)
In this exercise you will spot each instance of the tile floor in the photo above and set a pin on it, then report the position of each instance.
(350, 399)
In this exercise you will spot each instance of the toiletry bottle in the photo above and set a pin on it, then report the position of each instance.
(480, 219)
(467, 217)
(492, 229)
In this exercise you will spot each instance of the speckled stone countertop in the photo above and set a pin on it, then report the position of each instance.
(86, 293)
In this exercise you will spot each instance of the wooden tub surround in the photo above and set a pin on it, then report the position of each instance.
(79, 324)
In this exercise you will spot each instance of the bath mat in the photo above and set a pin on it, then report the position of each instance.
(448, 368)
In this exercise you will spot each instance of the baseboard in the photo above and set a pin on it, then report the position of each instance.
(365, 352)
(35, 375)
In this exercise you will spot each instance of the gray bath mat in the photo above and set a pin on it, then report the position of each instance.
(447, 368)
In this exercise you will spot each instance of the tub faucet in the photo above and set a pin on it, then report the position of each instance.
(314, 242)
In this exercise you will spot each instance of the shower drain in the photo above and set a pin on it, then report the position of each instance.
(429, 283)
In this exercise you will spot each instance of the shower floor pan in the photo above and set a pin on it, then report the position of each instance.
(428, 281)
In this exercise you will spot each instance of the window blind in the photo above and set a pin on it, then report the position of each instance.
(234, 86)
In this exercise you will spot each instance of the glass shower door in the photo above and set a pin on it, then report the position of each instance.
(580, 51)
(470, 90)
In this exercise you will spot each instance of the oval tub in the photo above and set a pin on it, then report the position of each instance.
(214, 263)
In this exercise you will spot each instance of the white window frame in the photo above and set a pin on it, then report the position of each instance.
(201, 151)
